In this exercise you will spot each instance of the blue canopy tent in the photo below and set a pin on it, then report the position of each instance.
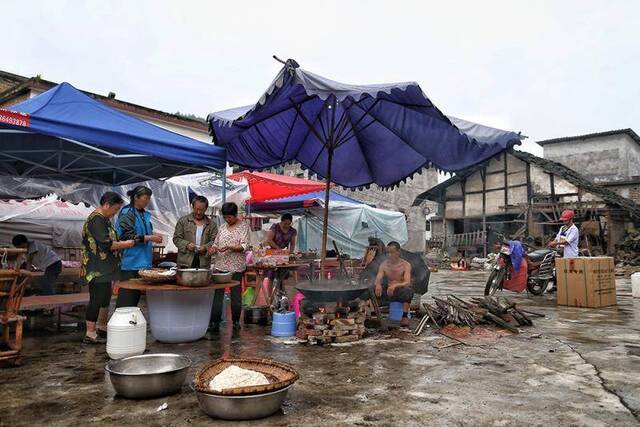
(65, 134)
(301, 201)
(352, 135)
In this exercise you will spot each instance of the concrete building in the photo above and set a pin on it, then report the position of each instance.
(15, 89)
(610, 158)
(520, 195)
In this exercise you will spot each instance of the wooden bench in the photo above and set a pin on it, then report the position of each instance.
(41, 302)
(56, 302)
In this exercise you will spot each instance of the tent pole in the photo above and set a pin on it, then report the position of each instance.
(330, 147)
(325, 222)
(224, 185)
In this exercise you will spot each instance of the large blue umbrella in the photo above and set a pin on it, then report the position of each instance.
(352, 135)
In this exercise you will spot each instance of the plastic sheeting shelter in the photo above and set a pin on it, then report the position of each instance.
(65, 134)
(351, 226)
(169, 202)
(48, 220)
(303, 201)
(268, 186)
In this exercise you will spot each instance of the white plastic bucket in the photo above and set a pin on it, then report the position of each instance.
(635, 285)
(126, 333)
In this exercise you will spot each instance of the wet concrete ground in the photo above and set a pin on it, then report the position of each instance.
(575, 367)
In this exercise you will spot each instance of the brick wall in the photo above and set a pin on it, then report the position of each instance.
(7, 83)
(14, 101)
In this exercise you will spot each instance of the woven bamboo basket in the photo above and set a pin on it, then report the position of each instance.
(278, 374)
(154, 276)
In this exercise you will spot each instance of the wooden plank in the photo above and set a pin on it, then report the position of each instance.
(517, 185)
(464, 196)
(51, 301)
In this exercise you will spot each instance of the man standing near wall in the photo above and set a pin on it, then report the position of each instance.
(568, 236)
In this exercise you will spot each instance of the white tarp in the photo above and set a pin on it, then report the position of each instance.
(170, 201)
(351, 225)
(49, 220)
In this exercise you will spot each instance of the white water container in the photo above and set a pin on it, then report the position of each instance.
(126, 333)
(635, 285)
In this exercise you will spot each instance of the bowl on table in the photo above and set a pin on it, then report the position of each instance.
(157, 275)
(194, 277)
(149, 375)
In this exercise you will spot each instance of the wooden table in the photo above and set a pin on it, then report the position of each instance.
(141, 285)
(177, 313)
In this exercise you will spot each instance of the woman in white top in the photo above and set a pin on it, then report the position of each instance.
(229, 248)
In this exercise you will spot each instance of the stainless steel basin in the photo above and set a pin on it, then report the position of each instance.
(149, 375)
(221, 277)
(193, 276)
(248, 407)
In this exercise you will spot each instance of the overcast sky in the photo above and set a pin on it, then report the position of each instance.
(545, 68)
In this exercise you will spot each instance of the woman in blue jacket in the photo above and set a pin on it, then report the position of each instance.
(134, 223)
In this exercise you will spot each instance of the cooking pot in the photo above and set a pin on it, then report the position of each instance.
(331, 290)
(256, 314)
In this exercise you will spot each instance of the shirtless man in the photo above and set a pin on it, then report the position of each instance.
(398, 274)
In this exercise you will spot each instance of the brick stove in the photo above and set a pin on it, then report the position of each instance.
(324, 323)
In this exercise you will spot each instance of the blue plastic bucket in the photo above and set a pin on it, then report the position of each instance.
(395, 311)
(283, 324)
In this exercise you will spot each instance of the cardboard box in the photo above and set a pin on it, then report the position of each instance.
(586, 282)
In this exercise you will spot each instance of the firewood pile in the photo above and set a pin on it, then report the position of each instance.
(628, 250)
(333, 324)
(500, 311)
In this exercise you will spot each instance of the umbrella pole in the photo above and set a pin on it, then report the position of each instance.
(325, 222)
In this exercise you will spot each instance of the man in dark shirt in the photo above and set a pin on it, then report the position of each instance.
(43, 258)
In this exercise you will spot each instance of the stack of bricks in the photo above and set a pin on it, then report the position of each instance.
(335, 324)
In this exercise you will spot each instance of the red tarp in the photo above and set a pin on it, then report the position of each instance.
(268, 186)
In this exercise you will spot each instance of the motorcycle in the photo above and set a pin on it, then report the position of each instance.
(541, 270)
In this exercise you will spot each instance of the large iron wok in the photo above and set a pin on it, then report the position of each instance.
(323, 291)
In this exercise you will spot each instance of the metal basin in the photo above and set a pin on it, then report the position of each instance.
(194, 277)
(331, 290)
(221, 277)
(149, 375)
(248, 407)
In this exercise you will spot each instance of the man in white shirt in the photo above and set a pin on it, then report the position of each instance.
(568, 237)
(43, 258)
